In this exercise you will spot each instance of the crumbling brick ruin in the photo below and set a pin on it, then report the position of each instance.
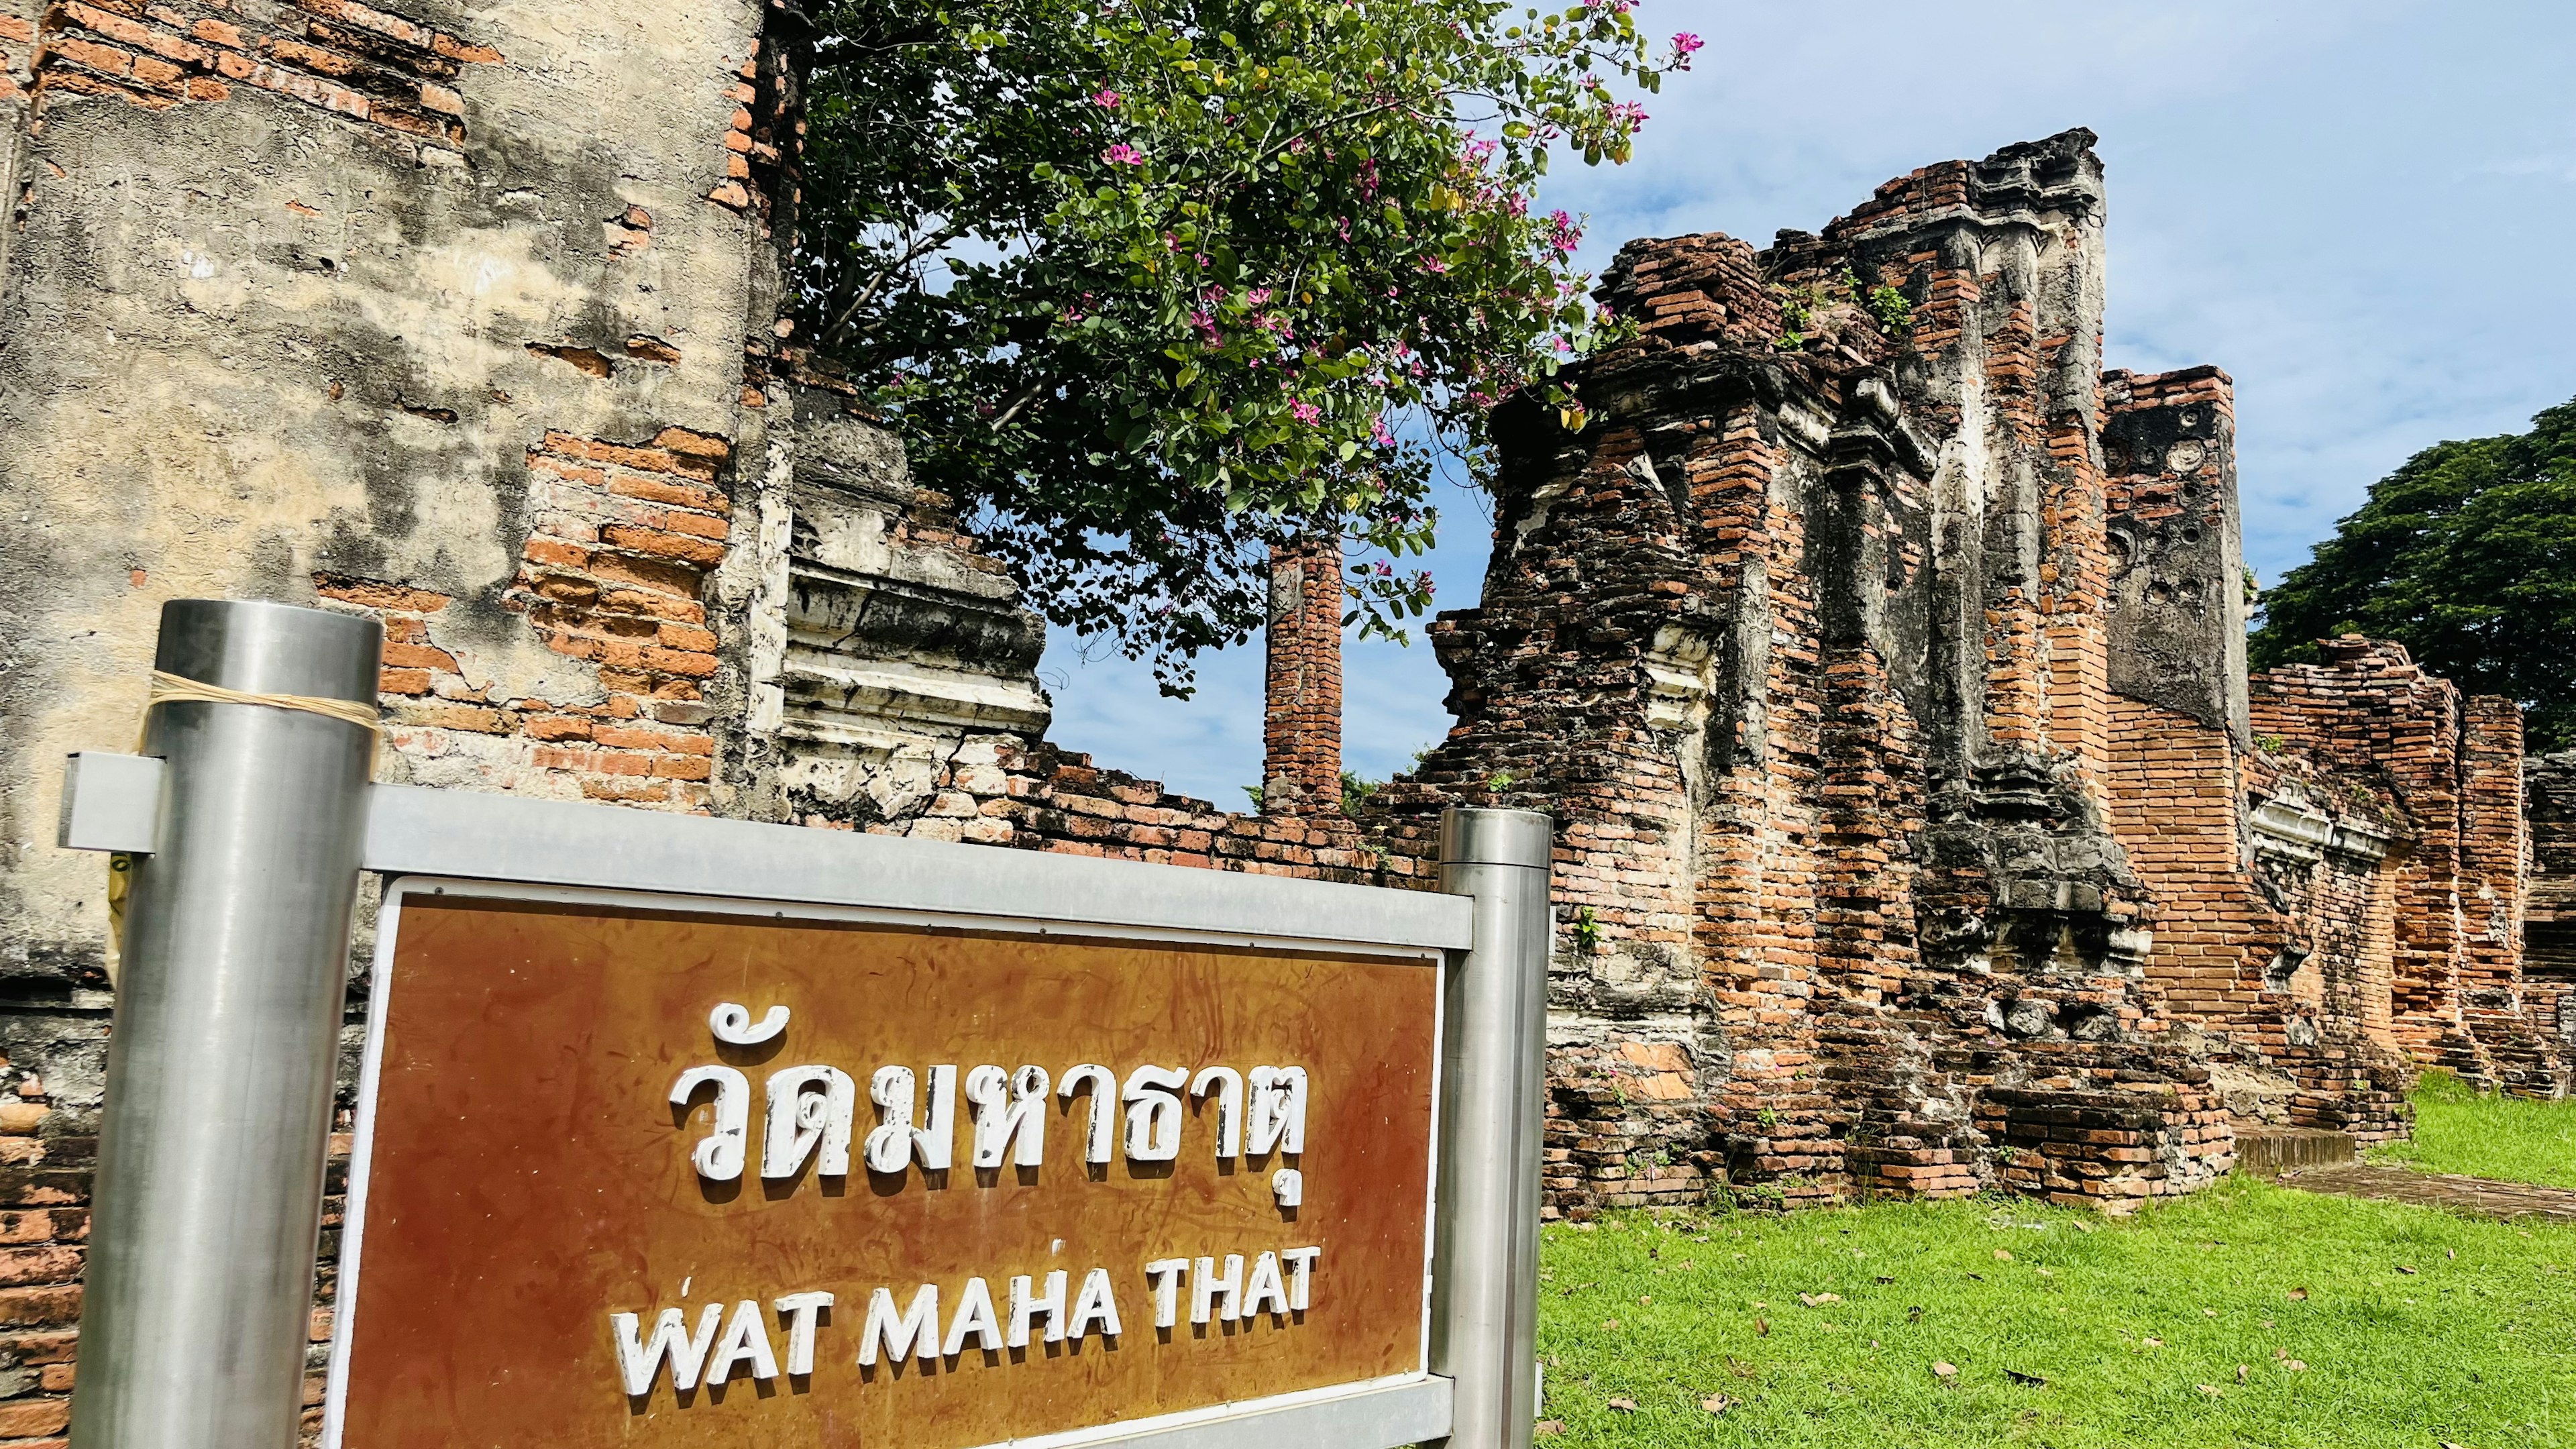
(1884, 662)
(1879, 654)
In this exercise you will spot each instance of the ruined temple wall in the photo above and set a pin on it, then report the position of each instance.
(2273, 881)
(2369, 710)
(443, 311)
(2549, 916)
(1866, 509)
(2176, 807)
(2494, 846)
(2176, 710)
(2522, 1031)
(2369, 707)
(1584, 683)
(2177, 604)
(1763, 935)
(436, 310)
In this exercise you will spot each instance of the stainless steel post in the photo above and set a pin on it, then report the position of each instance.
(1493, 1060)
(226, 1039)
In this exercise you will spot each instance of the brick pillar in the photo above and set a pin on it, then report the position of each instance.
(1301, 737)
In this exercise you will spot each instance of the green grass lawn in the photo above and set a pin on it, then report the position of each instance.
(2457, 1130)
(2137, 1327)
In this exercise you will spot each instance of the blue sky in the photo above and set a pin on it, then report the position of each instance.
(2365, 212)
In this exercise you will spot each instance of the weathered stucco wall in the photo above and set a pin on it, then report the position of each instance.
(255, 340)
(322, 303)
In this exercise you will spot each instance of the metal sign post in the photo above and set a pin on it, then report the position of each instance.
(1484, 1324)
(256, 818)
(195, 1315)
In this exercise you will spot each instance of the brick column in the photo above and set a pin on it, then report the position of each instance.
(1301, 737)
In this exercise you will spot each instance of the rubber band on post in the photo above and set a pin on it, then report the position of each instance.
(168, 688)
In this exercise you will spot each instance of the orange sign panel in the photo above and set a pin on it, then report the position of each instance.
(644, 1177)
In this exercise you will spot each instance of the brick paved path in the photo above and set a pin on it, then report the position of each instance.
(2484, 1197)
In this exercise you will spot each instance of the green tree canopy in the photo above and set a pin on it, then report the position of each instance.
(2467, 556)
(1150, 284)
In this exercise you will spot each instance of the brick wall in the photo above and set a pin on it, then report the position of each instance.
(613, 575)
(370, 66)
(2370, 708)
(2175, 806)
(2549, 919)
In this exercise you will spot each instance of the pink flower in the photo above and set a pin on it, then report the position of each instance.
(1563, 231)
(1685, 45)
(1257, 297)
(1106, 100)
(1379, 435)
(1124, 155)
(1305, 412)
(1431, 264)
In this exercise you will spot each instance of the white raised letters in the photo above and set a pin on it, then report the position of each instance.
(1165, 1274)
(1104, 1106)
(746, 1342)
(637, 1363)
(731, 1023)
(1301, 1262)
(896, 1140)
(1024, 1308)
(812, 1111)
(1205, 1286)
(1278, 1111)
(1008, 1106)
(974, 1316)
(800, 1120)
(800, 1310)
(1263, 1292)
(913, 1333)
(1096, 1306)
(811, 1121)
(719, 1155)
(1154, 1113)
(1229, 1106)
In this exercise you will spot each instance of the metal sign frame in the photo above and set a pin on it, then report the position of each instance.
(251, 820)
(1383, 1413)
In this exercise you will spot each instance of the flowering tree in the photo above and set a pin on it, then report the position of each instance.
(1148, 285)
